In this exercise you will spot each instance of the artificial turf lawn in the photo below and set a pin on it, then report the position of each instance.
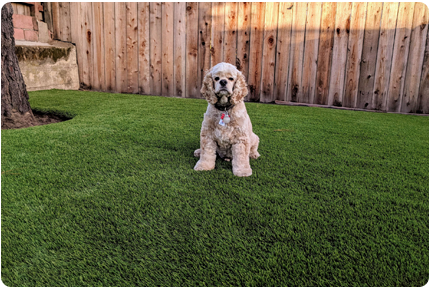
(110, 198)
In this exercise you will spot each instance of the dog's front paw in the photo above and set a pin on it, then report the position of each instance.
(254, 155)
(242, 172)
(197, 152)
(203, 166)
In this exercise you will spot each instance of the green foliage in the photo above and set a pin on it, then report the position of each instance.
(110, 198)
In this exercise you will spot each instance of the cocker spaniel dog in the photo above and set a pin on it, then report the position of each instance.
(226, 128)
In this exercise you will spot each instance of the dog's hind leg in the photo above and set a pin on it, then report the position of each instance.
(254, 146)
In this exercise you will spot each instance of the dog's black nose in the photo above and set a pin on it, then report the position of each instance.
(223, 82)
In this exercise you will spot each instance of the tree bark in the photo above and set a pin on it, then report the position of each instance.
(15, 108)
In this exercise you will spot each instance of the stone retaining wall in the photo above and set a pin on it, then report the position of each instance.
(48, 66)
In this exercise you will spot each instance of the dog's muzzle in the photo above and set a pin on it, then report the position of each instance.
(223, 102)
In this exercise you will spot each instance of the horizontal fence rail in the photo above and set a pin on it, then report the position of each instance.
(370, 56)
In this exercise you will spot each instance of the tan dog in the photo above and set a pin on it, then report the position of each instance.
(231, 135)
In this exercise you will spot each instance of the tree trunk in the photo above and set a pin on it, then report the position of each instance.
(15, 109)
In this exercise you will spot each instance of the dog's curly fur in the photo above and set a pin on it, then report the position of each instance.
(235, 140)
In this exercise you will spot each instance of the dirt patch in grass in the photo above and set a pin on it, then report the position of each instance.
(17, 121)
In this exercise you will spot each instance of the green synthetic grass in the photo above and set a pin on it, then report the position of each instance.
(110, 198)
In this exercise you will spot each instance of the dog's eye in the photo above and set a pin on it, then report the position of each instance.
(231, 79)
(216, 78)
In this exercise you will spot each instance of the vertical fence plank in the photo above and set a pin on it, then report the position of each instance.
(167, 48)
(256, 51)
(205, 24)
(385, 53)
(120, 46)
(217, 38)
(76, 34)
(180, 48)
(230, 33)
(191, 66)
(64, 13)
(74, 25)
(416, 57)
(155, 30)
(325, 52)
(355, 48)
(243, 31)
(423, 95)
(47, 13)
(95, 45)
(55, 8)
(400, 56)
(109, 45)
(294, 86)
(340, 46)
(87, 38)
(269, 52)
(285, 19)
(132, 63)
(313, 22)
(15, 8)
(369, 54)
(144, 42)
(98, 48)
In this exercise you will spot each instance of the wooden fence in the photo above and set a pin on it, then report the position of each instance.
(359, 55)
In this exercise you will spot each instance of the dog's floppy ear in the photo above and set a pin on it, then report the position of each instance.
(208, 88)
(240, 89)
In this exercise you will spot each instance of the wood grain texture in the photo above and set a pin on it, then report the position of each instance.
(269, 52)
(155, 48)
(76, 34)
(285, 19)
(230, 33)
(99, 82)
(191, 66)
(416, 57)
(423, 95)
(205, 24)
(243, 36)
(109, 45)
(132, 64)
(256, 51)
(294, 86)
(358, 55)
(47, 12)
(14, 8)
(87, 42)
(355, 49)
(120, 47)
(313, 22)
(65, 21)
(144, 43)
(369, 55)
(55, 8)
(385, 54)
(340, 51)
(180, 48)
(400, 56)
(325, 52)
(217, 37)
(167, 49)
